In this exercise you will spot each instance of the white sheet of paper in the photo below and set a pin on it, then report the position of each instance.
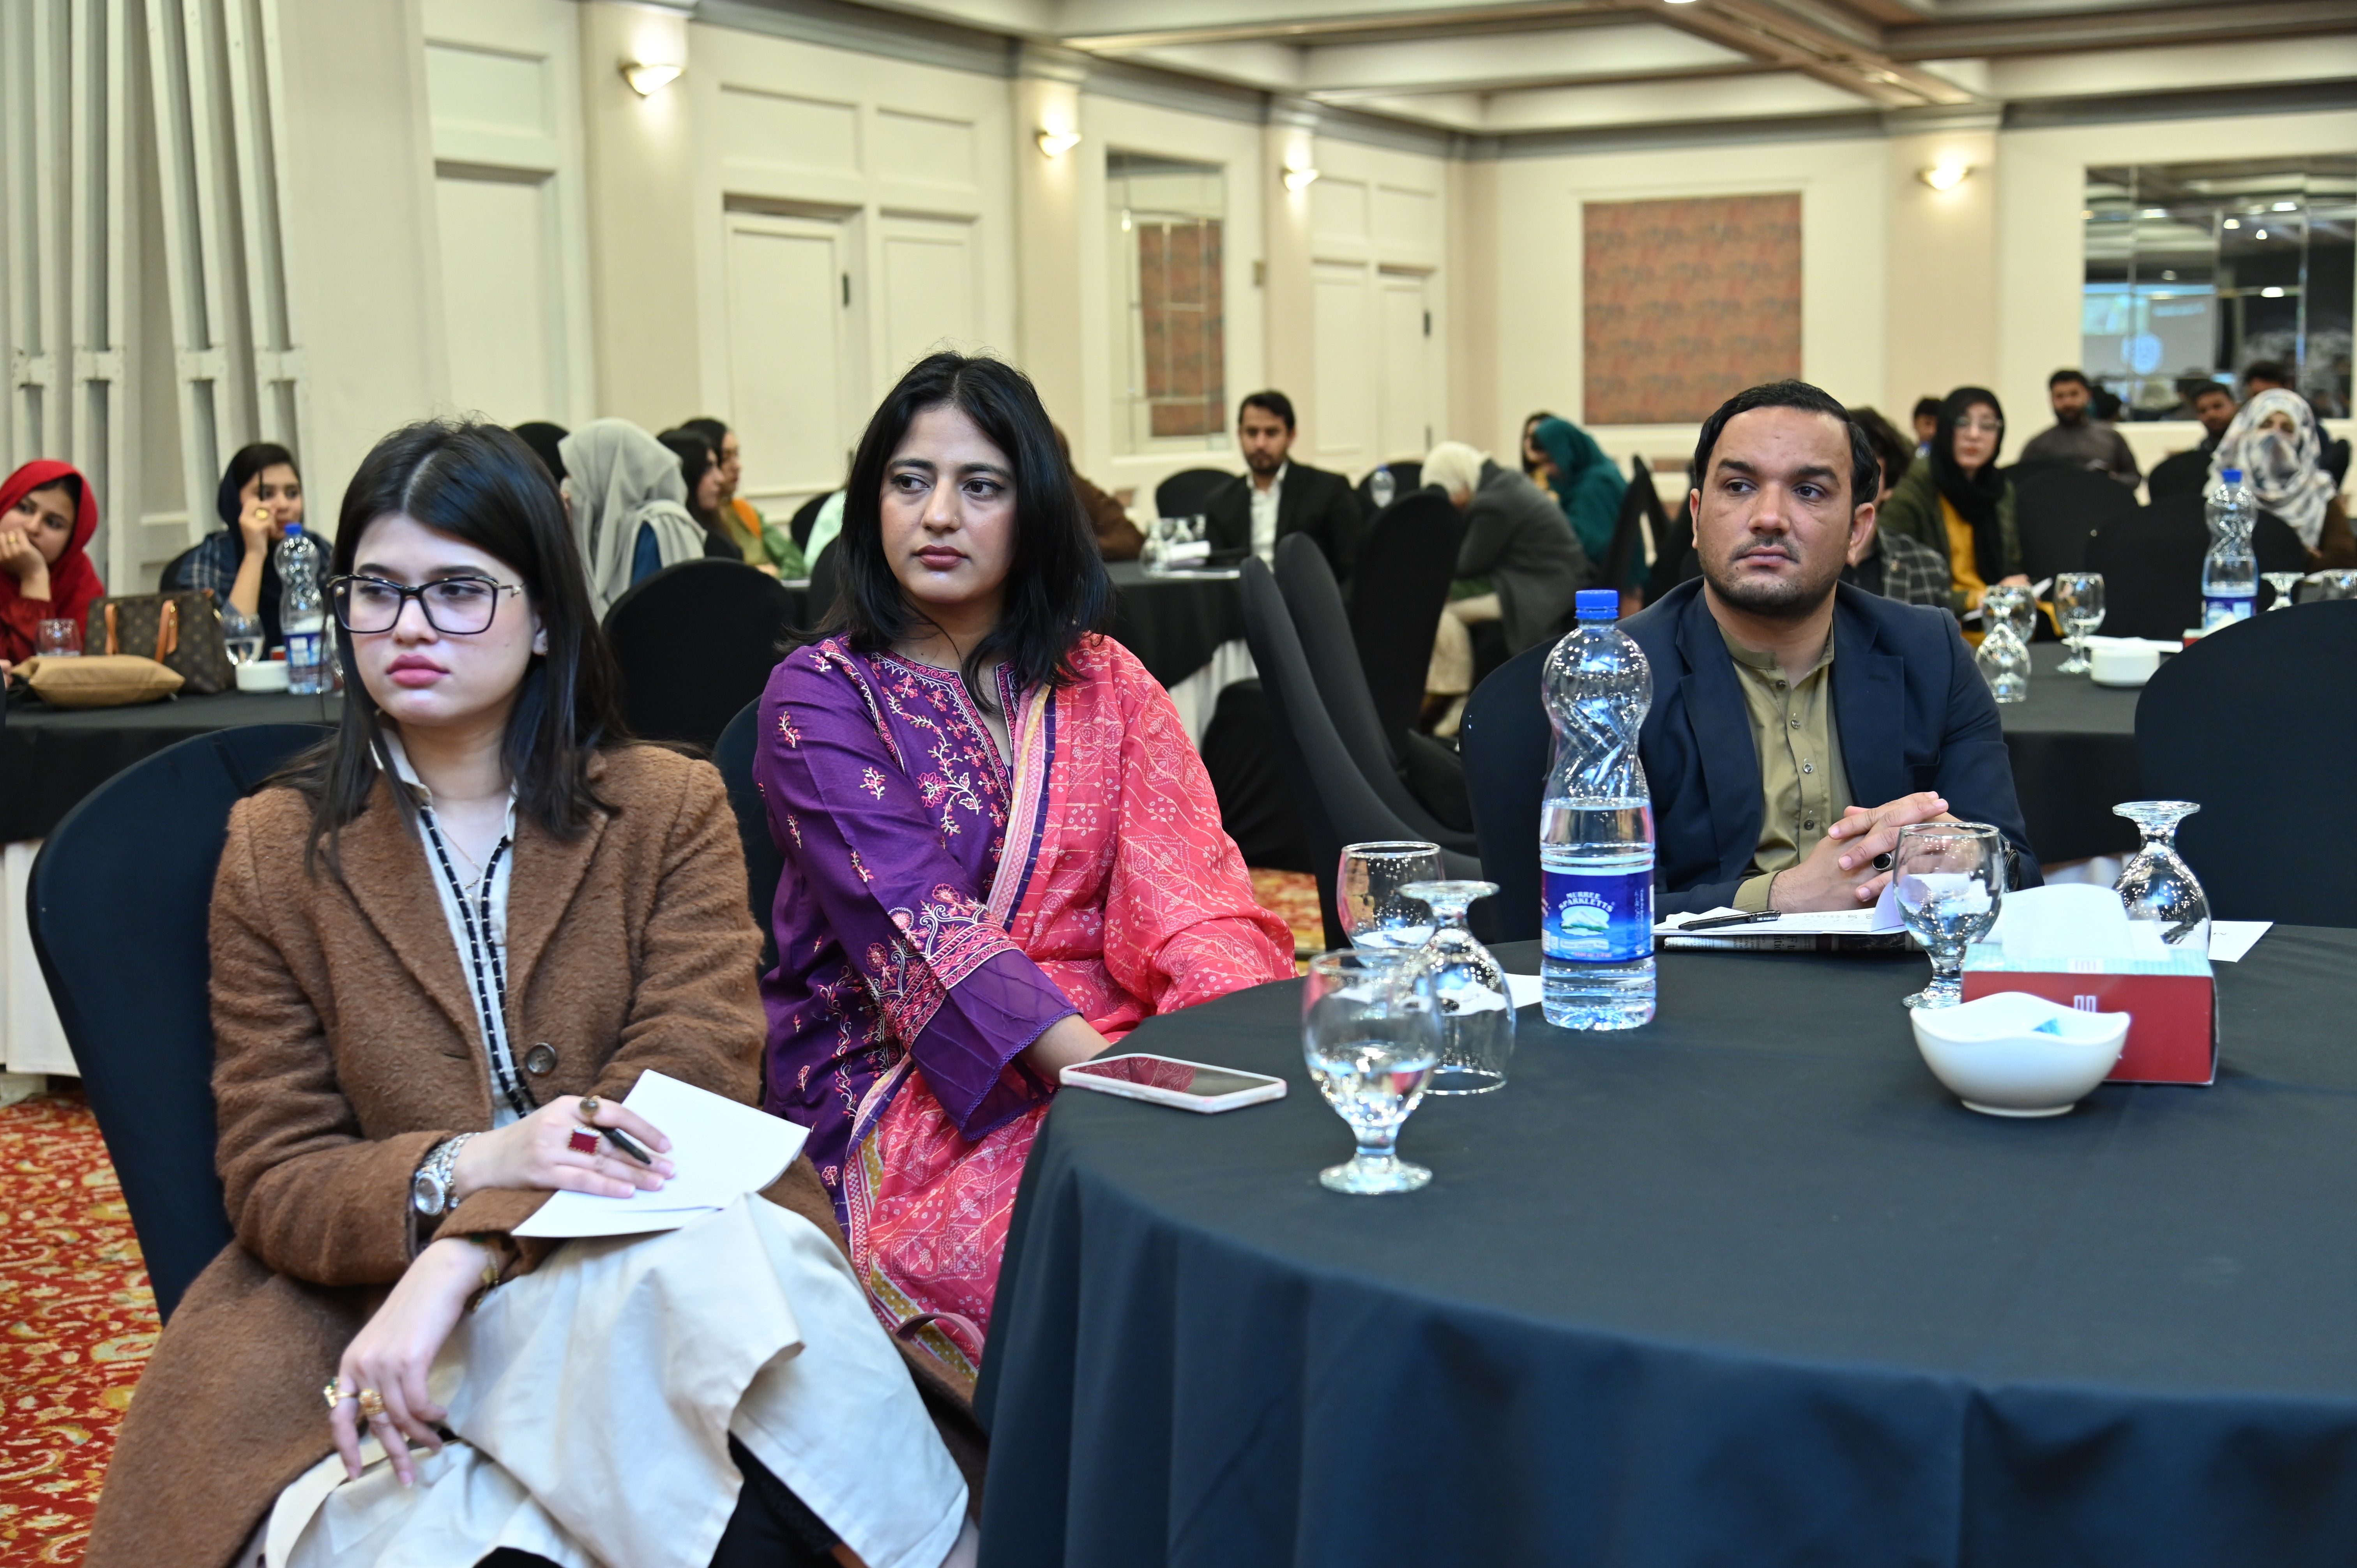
(2230, 939)
(1523, 989)
(724, 1150)
(1883, 918)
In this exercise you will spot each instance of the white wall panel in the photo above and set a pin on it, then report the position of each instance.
(1409, 390)
(1344, 429)
(781, 131)
(502, 290)
(787, 355)
(928, 290)
(925, 149)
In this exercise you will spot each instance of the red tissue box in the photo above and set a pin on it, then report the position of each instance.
(2172, 1003)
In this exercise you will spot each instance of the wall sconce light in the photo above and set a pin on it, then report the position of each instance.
(1300, 178)
(1056, 144)
(1944, 176)
(647, 77)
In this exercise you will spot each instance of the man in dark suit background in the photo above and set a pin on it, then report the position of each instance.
(1782, 774)
(1250, 514)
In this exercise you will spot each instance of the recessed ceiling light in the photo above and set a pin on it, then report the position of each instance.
(2156, 212)
(2234, 222)
(2169, 277)
(2262, 234)
(2270, 294)
(2287, 206)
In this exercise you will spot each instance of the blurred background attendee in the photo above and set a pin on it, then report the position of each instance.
(628, 501)
(2276, 443)
(1278, 495)
(1894, 566)
(763, 543)
(1531, 455)
(2264, 375)
(2214, 406)
(1586, 483)
(2078, 436)
(1518, 541)
(48, 514)
(261, 495)
(699, 469)
(1926, 420)
(1118, 537)
(545, 441)
(1956, 500)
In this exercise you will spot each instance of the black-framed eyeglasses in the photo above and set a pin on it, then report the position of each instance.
(455, 607)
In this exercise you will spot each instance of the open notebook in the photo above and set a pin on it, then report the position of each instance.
(723, 1150)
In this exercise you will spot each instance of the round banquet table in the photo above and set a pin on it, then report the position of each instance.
(52, 758)
(2073, 750)
(1174, 625)
(1746, 1285)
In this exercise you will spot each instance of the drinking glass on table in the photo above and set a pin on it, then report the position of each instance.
(241, 634)
(2282, 583)
(2334, 584)
(62, 639)
(1369, 897)
(2079, 606)
(1477, 1006)
(1371, 1032)
(1948, 879)
(2156, 883)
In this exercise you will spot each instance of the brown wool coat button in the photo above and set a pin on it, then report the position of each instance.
(541, 1060)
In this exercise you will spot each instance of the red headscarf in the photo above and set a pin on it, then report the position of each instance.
(74, 586)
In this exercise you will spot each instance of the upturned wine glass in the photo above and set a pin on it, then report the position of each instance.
(2156, 883)
(1477, 1010)
(2079, 605)
(2284, 583)
(1371, 1032)
(1371, 898)
(1948, 879)
(2003, 660)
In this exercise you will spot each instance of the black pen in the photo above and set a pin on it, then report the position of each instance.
(1718, 920)
(623, 1141)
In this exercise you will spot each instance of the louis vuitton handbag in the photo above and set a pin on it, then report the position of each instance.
(181, 631)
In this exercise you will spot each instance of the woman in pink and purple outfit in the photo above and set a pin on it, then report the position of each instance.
(1002, 851)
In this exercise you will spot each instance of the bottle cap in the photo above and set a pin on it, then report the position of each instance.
(1594, 604)
(2232, 476)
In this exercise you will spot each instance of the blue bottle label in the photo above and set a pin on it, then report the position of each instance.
(302, 648)
(1599, 917)
(2218, 609)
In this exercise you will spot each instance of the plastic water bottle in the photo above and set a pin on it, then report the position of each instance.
(1382, 487)
(1596, 829)
(2230, 573)
(303, 610)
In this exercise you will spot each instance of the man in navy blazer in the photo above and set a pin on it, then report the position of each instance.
(1798, 724)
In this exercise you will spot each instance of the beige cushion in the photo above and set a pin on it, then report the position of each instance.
(99, 680)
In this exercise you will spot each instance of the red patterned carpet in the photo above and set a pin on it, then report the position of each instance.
(1292, 896)
(76, 1325)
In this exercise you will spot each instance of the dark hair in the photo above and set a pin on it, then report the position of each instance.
(1925, 408)
(1865, 468)
(479, 483)
(546, 441)
(1529, 469)
(697, 458)
(2200, 390)
(1056, 590)
(1892, 450)
(243, 466)
(2059, 377)
(1274, 402)
(711, 429)
(2266, 370)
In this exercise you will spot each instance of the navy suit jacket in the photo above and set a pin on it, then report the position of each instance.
(1912, 711)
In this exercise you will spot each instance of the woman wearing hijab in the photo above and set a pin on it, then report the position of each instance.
(699, 469)
(1956, 500)
(629, 505)
(2274, 442)
(763, 543)
(1587, 484)
(47, 517)
(261, 495)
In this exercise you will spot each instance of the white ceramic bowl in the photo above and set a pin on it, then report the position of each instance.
(263, 675)
(2131, 666)
(2012, 1054)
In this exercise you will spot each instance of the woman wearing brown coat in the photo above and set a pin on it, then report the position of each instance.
(446, 946)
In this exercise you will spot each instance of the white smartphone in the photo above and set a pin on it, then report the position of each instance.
(1166, 1080)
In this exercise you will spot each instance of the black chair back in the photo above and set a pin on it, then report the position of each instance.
(765, 862)
(2151, 562)
(2277, 547)
(1508, 745)
(1338, 805)
(2187, 473)
(805, 518)
(1640, 504)
(2252, 718)
(2058, 507)
(1674, 551)
(1184, 493)
(130, 872)
(695, 642)
(1315, 602)
(169, 579)
(2336, 461)
(1398, 588)
(822, 588)
(1405, 476)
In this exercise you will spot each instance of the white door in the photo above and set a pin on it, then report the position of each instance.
(503, 296)
(789, 291)
(930, 288)
(1342, 419)
(1406, 400)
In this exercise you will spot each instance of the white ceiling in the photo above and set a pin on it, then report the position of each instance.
(1516, 66)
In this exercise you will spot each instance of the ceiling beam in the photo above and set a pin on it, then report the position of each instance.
(1774, 34)
(1373, 26)
(2240, 21)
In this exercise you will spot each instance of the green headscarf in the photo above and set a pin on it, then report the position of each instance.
(1587, 485)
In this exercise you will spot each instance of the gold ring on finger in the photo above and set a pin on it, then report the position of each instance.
(371, 1404)
(334, 1394)
(590, 1106)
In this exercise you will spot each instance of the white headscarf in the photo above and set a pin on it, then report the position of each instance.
(1454, 467)
(2284, 468)
(623, 478)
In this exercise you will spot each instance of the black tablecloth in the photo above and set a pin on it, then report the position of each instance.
(1743, 1286)
(1173, 624)
(52, 758)
(2074, 745)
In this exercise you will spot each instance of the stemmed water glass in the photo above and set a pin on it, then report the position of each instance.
(1370, 897)
(2156, 883)
(1948, 879)
(2334, 584)
(2282, 583)
(1477, 1010)
(2079, 605)
(1371, 1032)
